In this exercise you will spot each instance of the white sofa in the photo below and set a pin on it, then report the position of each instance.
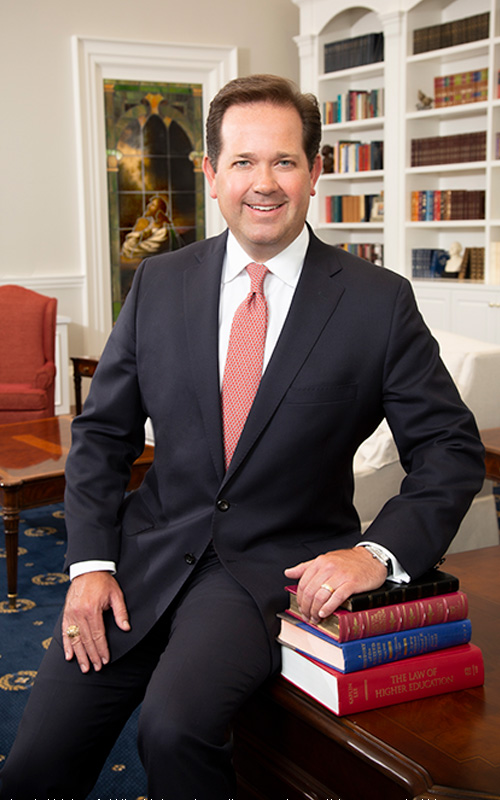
(475, 368)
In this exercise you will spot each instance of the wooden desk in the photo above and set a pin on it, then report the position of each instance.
(288, 747)
(83, 366)
(32, 463)
(491, 440)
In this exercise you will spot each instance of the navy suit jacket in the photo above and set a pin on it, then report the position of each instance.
(353, 349)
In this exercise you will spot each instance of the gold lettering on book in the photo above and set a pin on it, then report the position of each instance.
(414, 681)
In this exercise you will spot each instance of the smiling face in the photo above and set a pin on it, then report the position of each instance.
(263, 182)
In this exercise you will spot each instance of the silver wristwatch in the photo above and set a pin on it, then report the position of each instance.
(379, 554)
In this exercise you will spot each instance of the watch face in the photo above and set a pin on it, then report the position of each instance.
(380, 556)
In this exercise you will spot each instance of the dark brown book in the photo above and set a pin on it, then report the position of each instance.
(449, 34)
(430, 584)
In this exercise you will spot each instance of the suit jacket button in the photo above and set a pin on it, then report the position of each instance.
(189, 558)
(223, 505)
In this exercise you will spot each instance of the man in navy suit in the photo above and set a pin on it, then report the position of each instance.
(175, 587)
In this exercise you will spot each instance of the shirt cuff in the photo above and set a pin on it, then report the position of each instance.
(399, 575)
(82, 567)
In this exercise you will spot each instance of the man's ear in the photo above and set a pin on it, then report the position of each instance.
(315, 173)
(210, 175)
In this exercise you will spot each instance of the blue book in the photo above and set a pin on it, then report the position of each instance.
(365, 653)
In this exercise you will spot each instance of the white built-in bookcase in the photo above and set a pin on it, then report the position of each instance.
(467, 307)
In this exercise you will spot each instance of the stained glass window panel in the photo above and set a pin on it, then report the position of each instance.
(154, 141)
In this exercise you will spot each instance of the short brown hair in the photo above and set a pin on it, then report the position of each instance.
(264, 89)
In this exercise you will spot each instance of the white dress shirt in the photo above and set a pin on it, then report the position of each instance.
(279, 287)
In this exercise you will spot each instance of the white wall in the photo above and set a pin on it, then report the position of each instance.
(38, 195)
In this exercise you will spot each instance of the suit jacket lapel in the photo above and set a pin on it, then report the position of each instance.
(315, 300)
(201, 302)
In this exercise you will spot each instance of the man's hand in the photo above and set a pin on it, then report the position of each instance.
(88, 597)
(329, 579)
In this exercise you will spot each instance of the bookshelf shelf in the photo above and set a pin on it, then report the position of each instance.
(446, 54)
(402, 75)
(466, 166)
(449, 223)
(358, 175)
(346, 226)
(355, 125)
(463, 110)
(375, 70)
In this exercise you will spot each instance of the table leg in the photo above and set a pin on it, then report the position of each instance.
(77, 378)
(10, 514)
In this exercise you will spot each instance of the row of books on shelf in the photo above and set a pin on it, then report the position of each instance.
(447, 204)
(373, 252)
(353, 156)
(401, 642)
(431, 263)
(354, 208)
(461, 87)
(453, 149)
(354, 52)
(449, 34)
(353, 105)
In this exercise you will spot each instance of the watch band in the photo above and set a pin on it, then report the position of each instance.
(379, 554)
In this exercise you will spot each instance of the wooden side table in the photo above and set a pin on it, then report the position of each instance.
(438, 748)
(32, 462)
(83, 366)
(491, 440)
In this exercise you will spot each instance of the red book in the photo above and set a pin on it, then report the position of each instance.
(431, 674)
(345, 626)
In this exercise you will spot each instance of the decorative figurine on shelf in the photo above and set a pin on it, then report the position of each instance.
(454, 262)
(327, 153)
(424, 102)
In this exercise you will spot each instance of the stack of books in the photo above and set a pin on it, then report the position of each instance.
(454, 149)
(447, 204)
(450, 34)
(354, 156)
(354, 208)
(461, 87)
(368, 250)
(353, 105)
(354, 52)
(472, 266)
(428, 262)
(401, 642)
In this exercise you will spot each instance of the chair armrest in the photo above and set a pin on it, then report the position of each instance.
(44, 377)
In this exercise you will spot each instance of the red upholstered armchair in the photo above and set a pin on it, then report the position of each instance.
(27, 347)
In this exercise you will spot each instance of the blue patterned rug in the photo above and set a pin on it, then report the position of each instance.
(26, 633)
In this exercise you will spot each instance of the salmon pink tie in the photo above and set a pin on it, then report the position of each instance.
(245, 356)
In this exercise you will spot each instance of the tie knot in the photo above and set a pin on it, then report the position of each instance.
(257, 274)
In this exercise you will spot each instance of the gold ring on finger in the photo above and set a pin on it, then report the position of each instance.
(72, 631)
(327, 587)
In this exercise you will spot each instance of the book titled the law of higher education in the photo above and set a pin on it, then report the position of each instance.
(346, 626)
(448, 670)
(367, 653)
